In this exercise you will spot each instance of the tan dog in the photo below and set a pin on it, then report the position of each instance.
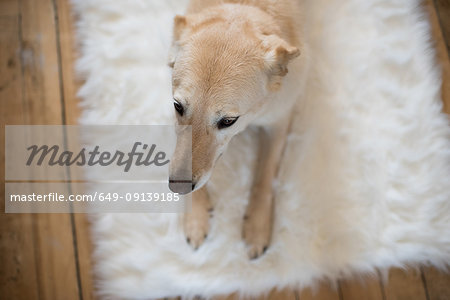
(230, 62)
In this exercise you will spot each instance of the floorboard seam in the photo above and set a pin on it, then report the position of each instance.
(64, 121)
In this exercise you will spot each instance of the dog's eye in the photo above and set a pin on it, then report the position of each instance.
(226, 122)
(178, 107)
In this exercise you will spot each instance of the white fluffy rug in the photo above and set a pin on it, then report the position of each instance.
(365, 183)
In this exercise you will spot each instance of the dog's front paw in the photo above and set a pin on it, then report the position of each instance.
(196, 223)
(256, 233)
(196, 227)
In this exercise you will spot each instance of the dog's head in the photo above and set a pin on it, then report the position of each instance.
(224, 65)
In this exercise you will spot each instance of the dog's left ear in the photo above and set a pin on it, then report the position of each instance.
(179, 27)
(278, 55)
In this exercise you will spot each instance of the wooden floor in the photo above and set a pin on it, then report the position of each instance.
(47, 256)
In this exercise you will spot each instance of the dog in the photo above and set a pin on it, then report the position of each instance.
(230, 64)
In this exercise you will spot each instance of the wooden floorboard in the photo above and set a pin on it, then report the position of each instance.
(70, 86)
(364, 287)
(17, 273)
(282, 294)
(53, 240)
(323, 291)
(48, 256)
(443, 13)
(437, 283)
(40, 248)
(405, 285)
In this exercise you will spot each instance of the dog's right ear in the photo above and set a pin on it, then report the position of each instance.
(179, 27)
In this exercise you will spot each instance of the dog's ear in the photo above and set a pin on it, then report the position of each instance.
(179, 27)
(278, 54)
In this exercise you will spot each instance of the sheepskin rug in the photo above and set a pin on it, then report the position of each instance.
(365, 180)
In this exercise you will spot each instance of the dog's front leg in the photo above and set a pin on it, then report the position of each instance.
(258, 219)
(196, 222)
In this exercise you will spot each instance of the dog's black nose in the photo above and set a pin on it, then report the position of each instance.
(181, 186)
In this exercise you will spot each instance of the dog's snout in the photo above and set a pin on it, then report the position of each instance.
(181, 186)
